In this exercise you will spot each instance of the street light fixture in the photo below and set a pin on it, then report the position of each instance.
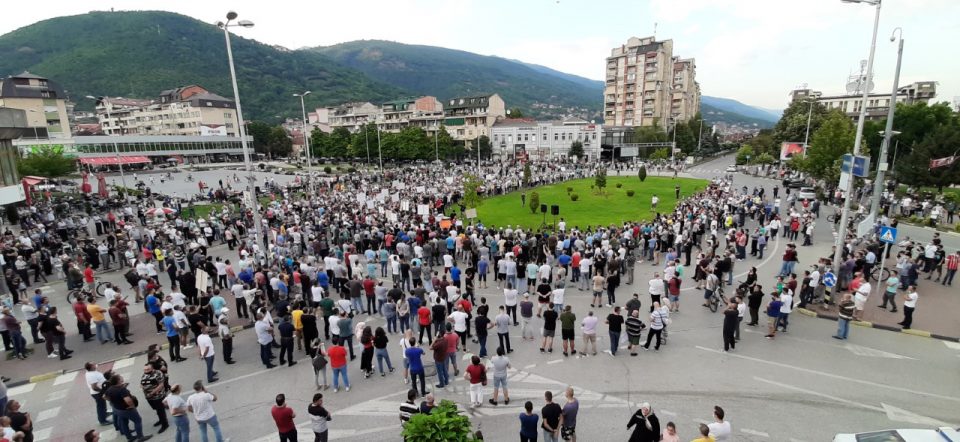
(848, 189)
(251, 180)
(116, 149)
(885, 146)
(306, 138)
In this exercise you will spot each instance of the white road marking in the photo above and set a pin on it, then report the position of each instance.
(901, 415)
(64, 378)
(555, 361)
(47, 414)
(796, 440)
(952, 345)
(123, 363)
(834, 376)
(860, 350)
(42, 434)
(823, 395)
(57, 395)
(25, 388)
(530, 366)
(754, 432)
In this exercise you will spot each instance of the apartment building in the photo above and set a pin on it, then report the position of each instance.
(638, 83)
(877, 104)
(43, 100)
(685, 91)
(469, 117)
(424, 112)
(544, 140)
(352, 116)
(185, 111)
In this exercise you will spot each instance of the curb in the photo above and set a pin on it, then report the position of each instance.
(913, 332)
(53, 374)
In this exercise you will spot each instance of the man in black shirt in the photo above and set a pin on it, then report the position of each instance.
(125, 409)
(20, 421)
(286, 331)
(483, 324)
(549, 329)
(615, 322)
(550, 416)
(56, 331)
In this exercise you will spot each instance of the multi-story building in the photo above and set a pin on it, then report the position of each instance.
(352, 116)
(13, 125)
(186, 111)
(43, 100)
(470, 117)
(877, 104)
(424, 112)
(685, 91)
(638, 83)
(544, 140)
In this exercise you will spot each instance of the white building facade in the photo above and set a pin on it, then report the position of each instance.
(544, 140)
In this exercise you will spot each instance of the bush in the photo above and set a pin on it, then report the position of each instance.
(534, 202)
(574, 197)
(569, 189)
(630, 193)
(642, 173)
(443, 424)
(327, 170)
(351, 170)
(619, 185)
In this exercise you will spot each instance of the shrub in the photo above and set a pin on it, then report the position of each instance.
(642, 173)
(630, 193)
(534, 202)
(574, 197)
(443, 424)
(327, 170)
(619, 185)
(569, 189)
(351, 170)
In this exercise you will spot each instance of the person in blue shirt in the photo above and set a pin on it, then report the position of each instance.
(482, 267)
(217, 303)
(528, 423)
(246, 275)
(153, 307)
(455, 274)
(414, 355)
(173, 338)
(324, 280)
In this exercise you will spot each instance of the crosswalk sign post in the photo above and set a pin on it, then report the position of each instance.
(888, 234)
(829, 279)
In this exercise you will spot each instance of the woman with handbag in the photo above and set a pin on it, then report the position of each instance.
(319, 363)
(476, 374)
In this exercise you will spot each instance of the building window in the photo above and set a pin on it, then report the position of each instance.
(556, 136)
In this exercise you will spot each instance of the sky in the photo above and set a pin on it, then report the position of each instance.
(754, 51)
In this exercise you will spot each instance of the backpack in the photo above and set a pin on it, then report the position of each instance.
(319, 362)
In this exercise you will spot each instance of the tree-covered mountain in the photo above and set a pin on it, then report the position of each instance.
(138, 54)
(447, 73)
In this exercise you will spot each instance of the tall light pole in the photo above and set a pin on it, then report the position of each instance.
(379, 148)
(806, 137)
(882, 159)
(306, 137)
(116, 149)
(436, 142)
(700, 135)
(848, 189)
(251, 180)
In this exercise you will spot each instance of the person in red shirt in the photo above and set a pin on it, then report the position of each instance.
(338, 363)
(83, 319)
(476, 374)
(424, 320)
(368, 289)
(283, 416)
(453, 340)
(952, 263)
(88, 277)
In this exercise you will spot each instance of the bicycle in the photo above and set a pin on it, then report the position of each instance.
(881, 273)
(714, 302)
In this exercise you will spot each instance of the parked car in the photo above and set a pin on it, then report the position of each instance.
(794, 183)
(942, 434)
(731, 168)
(807, 193)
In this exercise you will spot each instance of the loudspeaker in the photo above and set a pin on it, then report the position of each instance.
(554, 210)
(543, 208)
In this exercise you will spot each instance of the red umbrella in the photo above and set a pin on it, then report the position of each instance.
(159, 211)
(85, 187)
(102, 186)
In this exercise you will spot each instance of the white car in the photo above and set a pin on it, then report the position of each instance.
(942, 434)
(807, 193)
(731, 168)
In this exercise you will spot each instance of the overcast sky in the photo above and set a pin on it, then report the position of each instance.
(754, 51)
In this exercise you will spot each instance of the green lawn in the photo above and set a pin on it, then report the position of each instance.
(613, 207)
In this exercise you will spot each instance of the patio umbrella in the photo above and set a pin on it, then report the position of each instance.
(102, 189)
(85, 186)
(159, 211)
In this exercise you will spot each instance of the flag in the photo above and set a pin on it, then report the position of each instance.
(941, 162)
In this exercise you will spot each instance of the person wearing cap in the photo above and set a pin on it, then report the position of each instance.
(526, 316)
(226, 336)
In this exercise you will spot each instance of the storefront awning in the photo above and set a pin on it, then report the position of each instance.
(113, 160)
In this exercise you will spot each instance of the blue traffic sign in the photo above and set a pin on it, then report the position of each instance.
(888, 234)
(856, 165)
(829, 279)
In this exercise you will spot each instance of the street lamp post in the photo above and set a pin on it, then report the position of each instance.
(882, 159)
(116, 149)
(436, 142)
(306, 137)
(379, 149)
(251, 180)
(806, 137)
(848, 189)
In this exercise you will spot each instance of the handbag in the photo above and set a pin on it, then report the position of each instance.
(319, 361)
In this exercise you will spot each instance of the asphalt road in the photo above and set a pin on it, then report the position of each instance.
(802, 386)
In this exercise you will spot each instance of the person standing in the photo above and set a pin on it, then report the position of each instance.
(200, 403)
(338, 363)
(206, 351)
(173, 335)
(154, 385)
(413, 355)
(283, 416)
(83, 318)
(634, 329)
(614, 323)
(786, 307)
(408, 408)
(178, 410)
(95, 381)
(589, 329)
(909, 305)
(645, 424)
(264, 331)
(287, 330)
(754, 301)
(528, 423)
(657, 324)
(720, 429)
(502, 322)
(526, 316)
(773, 315)
(319, 416)
(952, 262)
(20, 421)
(890, 292)
(125, 410)
(550, 418)
(549, 328)
(844, 316)
(730, 318)
(476, 375)
(226, 339)
(13, 328)
(500, 365)
(57, 334)
(568, 416)
(567, 334)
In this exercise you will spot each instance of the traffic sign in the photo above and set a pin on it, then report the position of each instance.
(888, 234)
(829, 279)
(857, 165)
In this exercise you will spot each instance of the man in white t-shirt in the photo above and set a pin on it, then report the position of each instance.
(785, 309)
(200, 403)
(721, 429)
(909, 305)
(860, 299)
(459, 319)
(95, 380)
(557, 297)
(206, 351)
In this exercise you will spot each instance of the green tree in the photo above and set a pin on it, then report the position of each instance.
(576, 150)
(515, 113)
(650, 134)
(471, 191)
(914, 169)
(443, 424)
(600, 179)
(46, 161)
(792, 126)
(486, 150)
(642, 173)
(832, 139)
(279, 144)
(526, 174)
(744, 154)
(661, 154)
(763, 142)
(260, 132)
(445, 142)
(686, 139)
(534, 202)
(764, 158)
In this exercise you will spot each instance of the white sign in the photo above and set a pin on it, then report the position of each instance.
(392, 217)
(421, 189)
(449, 180)
(370, 204)
(213, 131)
(423, 209)
(470, 213)
(405, 205)
(394, 198)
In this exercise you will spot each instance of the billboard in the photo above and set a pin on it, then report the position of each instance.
(788, 150)
(212, 130)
